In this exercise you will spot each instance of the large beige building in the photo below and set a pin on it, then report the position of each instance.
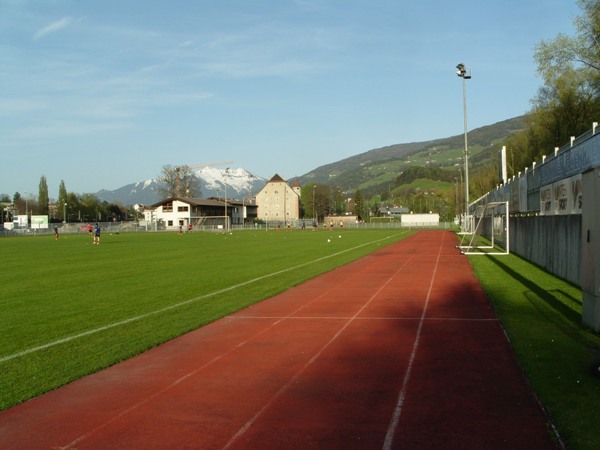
(278, 201)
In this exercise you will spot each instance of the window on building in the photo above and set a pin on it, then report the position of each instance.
(168, 207)
(182, 209)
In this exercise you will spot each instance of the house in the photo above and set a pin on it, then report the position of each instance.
(200, 213)
(277, 201)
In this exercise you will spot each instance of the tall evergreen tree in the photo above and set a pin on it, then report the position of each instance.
(308, 200)
(359, 205)
(62, 197)
(43, 199)
(62, 193)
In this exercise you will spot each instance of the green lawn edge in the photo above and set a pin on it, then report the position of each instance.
(541, 315)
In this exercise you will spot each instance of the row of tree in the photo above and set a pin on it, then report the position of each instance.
(320, 200)
(69, 207)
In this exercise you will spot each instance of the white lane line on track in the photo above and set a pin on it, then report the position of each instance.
(438, 319)
(387, 444)
(299, 373)
(179, 305)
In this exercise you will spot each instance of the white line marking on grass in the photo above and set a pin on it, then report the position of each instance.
(178, 305)
(389, 437)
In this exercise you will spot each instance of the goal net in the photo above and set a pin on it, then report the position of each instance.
(491, 233)
(211, 223)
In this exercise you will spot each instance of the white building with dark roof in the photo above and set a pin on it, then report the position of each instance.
(200, 213)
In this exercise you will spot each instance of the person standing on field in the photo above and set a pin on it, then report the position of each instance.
(56, 233)
(97, 235)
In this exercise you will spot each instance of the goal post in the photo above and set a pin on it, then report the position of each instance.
(491, 235)
(211, 223)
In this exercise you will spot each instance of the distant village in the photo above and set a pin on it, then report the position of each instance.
(277, 205)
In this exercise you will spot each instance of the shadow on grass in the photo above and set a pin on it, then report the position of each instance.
(556, 312)
(550, 297)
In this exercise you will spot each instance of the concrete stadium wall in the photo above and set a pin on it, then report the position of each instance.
(551, 242)
(546, 204)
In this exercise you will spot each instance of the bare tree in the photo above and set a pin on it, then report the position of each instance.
(178, 181)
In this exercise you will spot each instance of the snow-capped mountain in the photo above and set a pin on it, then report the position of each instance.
(240, 184)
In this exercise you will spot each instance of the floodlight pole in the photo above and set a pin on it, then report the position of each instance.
(465, 74)
(226, 217)
(314, 215)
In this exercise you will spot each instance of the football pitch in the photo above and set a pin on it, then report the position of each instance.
(71, 308)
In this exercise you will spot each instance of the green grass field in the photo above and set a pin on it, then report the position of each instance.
(70, 308)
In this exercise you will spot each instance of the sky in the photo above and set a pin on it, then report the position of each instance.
(100, 94)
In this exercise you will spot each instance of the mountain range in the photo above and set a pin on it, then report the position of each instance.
(369, 171)
(214, 182)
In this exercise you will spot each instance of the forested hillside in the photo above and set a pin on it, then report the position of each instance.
(379, 170)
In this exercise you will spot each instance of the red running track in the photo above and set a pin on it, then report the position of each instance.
(399, 349)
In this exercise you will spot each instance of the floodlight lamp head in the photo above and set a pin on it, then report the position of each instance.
(463, 72)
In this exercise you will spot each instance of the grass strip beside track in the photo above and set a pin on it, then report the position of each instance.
(70, 308)
(542, 318)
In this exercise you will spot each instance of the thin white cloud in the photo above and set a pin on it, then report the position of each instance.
(21, 106)
(52, 28)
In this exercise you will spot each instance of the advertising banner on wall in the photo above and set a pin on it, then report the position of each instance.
(576, 194)
(21, 220)
(561, 198)
(546, 204)
(39, 222)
